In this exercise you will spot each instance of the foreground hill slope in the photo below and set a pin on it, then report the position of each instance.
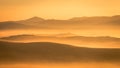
(46, 51)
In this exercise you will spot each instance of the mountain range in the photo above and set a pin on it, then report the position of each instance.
(74, 23)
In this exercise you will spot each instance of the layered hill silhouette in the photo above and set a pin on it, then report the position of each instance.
(11, 25)
(74, 23)
(54, 52)
(68, 38)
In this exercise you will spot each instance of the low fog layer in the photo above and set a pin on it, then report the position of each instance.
(71, 39)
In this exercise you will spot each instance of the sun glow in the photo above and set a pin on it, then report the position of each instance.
(59, 9)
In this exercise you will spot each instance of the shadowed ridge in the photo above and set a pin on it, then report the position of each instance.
(37, 51)
(55, 52)
(37, 44)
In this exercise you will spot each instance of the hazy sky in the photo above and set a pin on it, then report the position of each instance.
(57, 9)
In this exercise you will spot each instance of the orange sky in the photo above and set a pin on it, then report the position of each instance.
(57, 9)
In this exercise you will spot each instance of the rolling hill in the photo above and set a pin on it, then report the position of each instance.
(54, 52)
(67, 38)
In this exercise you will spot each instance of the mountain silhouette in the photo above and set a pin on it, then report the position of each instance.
(35, 19)
(13, 25)
(32, 21)
(54, 52)
(100, 22)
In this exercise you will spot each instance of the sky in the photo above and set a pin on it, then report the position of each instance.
(57, 9)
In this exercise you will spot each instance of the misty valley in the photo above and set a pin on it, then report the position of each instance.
(80, 42)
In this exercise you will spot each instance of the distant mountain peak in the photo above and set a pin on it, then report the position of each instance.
(36, 18)
(32, 21)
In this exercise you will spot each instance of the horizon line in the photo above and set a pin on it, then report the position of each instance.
(61, 19)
